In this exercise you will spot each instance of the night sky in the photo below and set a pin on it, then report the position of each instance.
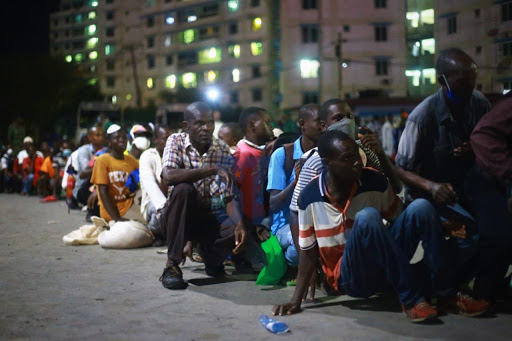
(25, 26)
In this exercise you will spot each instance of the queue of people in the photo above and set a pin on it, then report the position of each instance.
(329, 195)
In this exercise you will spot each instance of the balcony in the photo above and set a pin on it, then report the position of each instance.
(420, 32)
(421, 62)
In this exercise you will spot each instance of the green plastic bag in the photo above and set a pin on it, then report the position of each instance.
(276, 266)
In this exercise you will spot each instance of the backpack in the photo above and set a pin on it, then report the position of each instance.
(285, 140)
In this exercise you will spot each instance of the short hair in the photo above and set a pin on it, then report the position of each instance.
(246, 115)
(308, 110)
(192, 109)
(446, 57)
(326, 143)
(324, 109)
(235, 130)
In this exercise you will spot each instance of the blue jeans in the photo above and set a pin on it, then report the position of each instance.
(284, 237)
(27, 184)
(375, 255)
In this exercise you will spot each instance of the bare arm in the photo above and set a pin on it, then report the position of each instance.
(442, 193)
(174, 176)
(86, 173)
(307, 266)
(112, 210)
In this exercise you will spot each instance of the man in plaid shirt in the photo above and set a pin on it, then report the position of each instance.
(197, 167)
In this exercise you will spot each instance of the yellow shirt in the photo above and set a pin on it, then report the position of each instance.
(114, 173)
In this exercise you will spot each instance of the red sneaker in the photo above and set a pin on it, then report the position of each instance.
(462, 304)
(420, 312)
(49, 198)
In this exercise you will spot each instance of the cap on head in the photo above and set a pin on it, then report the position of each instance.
(113, 128)
(28, 139)
(137, 128)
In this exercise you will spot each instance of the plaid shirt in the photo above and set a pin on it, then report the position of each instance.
(180, 154)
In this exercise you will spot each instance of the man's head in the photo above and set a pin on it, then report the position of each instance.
(198, 123)
(160, 138)
(341, 155)
(457, 74)
(334, 110)
(95, 137)
(255, 124)
(117, 140)
(27, 142)
(309, 121)
(230, 133)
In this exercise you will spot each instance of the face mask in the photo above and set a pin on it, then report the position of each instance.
(142, 143)
(346, 125)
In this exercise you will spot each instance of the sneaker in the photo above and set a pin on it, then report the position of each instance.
(49, 198)
(420, 312)
(462, 304)
(172, 277)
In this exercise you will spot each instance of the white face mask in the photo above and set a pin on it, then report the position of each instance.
(346, 125)
(142, 143)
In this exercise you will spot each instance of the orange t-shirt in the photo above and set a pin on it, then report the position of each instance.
(47, 167)
(114, 173)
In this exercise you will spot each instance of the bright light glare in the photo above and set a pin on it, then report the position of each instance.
(191, 18)
(212, 94)
(344, 65)
(169, 20)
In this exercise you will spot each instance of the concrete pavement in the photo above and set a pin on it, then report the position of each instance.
(49, 291)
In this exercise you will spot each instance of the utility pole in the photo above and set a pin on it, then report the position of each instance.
(320, 59)
(338, 51)
(135, 76)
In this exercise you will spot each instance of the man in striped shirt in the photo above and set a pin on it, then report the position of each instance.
(340, 222)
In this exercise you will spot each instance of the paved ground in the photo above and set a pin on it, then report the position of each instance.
(56, 292)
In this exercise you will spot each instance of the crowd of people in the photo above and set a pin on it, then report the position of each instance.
(346, 212)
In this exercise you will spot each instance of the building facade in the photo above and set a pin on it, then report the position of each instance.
(277, 54)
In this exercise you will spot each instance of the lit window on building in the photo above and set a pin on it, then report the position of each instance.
(170, 81)
(309, 68)
(429, 76)
(191, 18)
(427, 17)
(93, 55)
(210, 55)
(428, 46)
(169, 20)
(109, 49)
(235, 75)
(256, 24)
(415, 76)
(79, 57)
(413, 19)
(69, 58)
(128, 97)
(91, 15)
(91, 43)
(93, 81)
(93, 3)
(256, 48)
(234, 50)
(149, 83)
(78, 17)
(233, 5)
(189, 80)
(167, 40)
(91, 29)
(114, 99)
(188, 36)
(211, 76)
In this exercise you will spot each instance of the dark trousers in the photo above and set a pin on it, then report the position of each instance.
(83, 195)
(183, 219)
(489, 203)
(376, 256)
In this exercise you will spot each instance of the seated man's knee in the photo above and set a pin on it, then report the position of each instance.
(368, 214)
(422, 205)
(183, 189)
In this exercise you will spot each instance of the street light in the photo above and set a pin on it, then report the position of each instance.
(212, 94)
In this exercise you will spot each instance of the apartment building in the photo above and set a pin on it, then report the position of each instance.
(277, 54)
